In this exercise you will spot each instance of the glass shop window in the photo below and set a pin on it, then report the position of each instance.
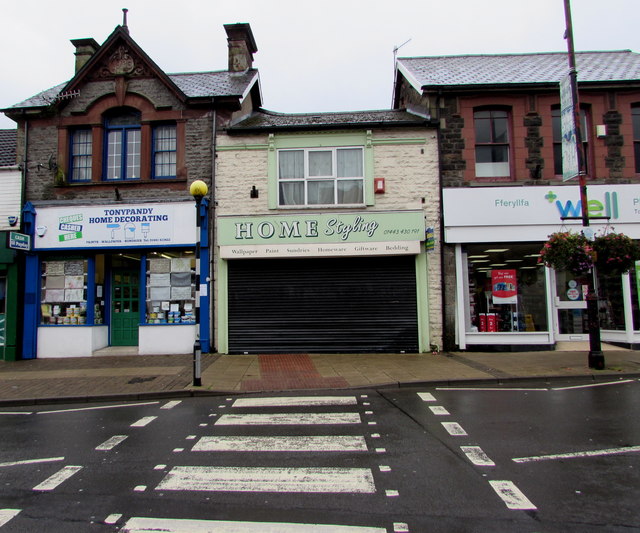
(171, 288)
(506, 288)
(64, 292)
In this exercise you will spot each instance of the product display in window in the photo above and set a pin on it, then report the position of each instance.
(64, 292)
(171, 290)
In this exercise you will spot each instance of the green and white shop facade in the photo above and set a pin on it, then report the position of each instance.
(333, 282)
(504, 296)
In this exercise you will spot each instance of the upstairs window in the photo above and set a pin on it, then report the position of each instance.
(556, 122)
(322, 176)
(81, 155)
(122, 145)
(164, 151)
(492, 143)
(635, 118)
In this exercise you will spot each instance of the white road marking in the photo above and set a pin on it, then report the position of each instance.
(171, 405)
(140, 488)
(32, 461)
(16, 413)
(477, 456)
(160, 467)
(384, 468)
(375, 435)
(453, 428)
(8, 514)
(145, 420)
(191, 437)
(426, 397)
(594, 385)
(438, 410)
(240, 479)
(58, 478)
(111, 443)
(178, 450)
(490, 389)
(95, 408)
(392, 493)
(296, 401)
(381, 450)
(511, 495)
(400, 527)
(281, 444)
(112, 518)
(576, 455)
(288, 419)
(176, 525)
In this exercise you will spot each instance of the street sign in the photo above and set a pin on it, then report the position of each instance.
(19, 241)
(570, 161)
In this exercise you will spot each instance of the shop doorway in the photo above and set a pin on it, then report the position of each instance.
(570, 306)
(125, 306)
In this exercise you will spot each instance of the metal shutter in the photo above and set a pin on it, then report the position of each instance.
(324, 305)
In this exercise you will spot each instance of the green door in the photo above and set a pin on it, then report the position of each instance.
(125, 310)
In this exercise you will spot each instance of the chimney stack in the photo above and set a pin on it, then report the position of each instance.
(242, 46)
(85, 48)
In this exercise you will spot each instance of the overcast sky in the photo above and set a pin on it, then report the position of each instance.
(313, 56)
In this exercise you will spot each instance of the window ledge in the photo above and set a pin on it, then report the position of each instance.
(119, 183)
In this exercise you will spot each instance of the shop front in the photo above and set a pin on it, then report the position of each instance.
(322, 283)
(504, 296)
(115, 275)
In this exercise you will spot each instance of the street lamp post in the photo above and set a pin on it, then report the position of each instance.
(198, 190)
(596, 357)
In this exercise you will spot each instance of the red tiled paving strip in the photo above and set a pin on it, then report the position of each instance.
(289, 371)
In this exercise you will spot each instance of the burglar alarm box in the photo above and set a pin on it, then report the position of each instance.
(378, 185)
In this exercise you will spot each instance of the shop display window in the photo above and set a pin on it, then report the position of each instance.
(64, 292)
(171, 285)
(506, 288)
(611, 300)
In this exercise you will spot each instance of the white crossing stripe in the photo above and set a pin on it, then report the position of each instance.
(438, 410)
(175, 525)
(344, 443)
(511, 495)
(111, 443)
(426, 397)
(59, 477)
(143, 421)
(7, 514)
(112, 518)
(576, 455)
(492, 389)
(477, 456)
(171, 405)
(32, 461)
(295, 401)
(251, 479)
(16, 412)
(453, 428)
(288, 419)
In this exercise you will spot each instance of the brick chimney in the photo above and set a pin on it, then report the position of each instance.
(242, 46)
(85, 48)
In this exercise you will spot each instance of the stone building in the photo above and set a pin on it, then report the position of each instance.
(324, 234)
(500, 142)
(109, 156)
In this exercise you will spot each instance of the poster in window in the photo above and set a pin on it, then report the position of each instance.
(504, 286)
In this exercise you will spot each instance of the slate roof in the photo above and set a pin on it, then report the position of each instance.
(540, 68)
(8, 139)
(268, 120)
(192, 84)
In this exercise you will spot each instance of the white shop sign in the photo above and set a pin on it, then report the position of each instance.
(532, 213)
(116, 226)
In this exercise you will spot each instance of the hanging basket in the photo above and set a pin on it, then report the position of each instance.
(568, 251)
(616, 253)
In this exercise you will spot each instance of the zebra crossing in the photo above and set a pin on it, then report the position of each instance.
(317, 427)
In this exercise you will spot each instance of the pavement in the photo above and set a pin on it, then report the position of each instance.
(132, 377)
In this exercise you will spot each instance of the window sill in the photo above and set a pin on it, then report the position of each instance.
(119, 183)
(332, 206)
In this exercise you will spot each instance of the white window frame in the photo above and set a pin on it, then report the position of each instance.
(306, 178)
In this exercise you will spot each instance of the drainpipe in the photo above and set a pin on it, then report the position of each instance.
(212, 230)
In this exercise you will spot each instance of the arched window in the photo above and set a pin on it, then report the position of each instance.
(492, 143)
(122, 144)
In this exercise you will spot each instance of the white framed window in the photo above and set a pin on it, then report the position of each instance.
(81, 155)
(321, 176)
(492, 143)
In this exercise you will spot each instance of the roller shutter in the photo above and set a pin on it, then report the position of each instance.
(324, 305)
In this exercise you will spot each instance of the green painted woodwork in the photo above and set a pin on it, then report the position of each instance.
(125, 311)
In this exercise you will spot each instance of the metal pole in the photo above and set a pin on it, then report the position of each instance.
(197, 350)
(596, 357)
